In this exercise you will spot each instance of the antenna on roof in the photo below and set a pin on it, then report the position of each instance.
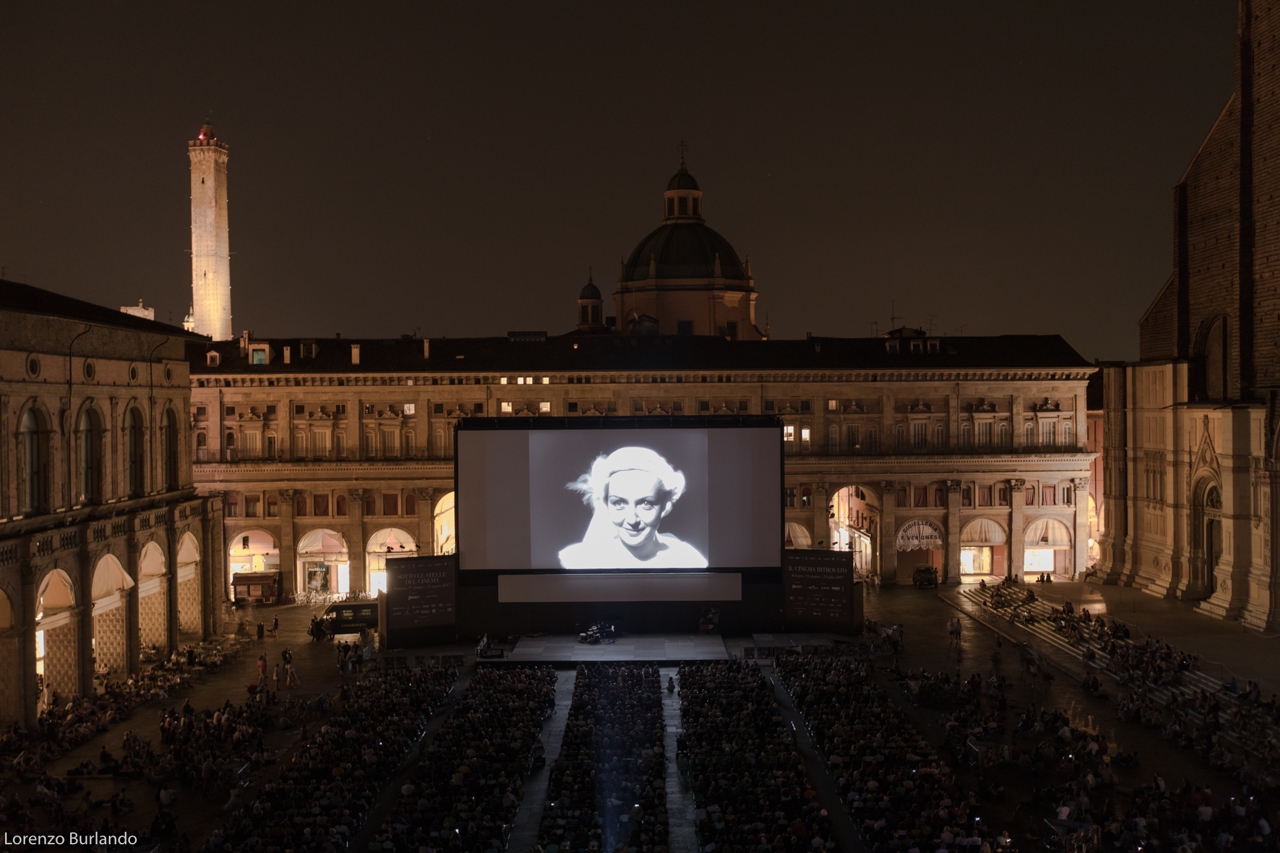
(893, 314)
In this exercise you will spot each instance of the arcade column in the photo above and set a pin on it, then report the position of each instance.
(1080, 541)
(359, 572)
(426, 521)
(889, 532)
(1017, 547)
(288, 547)
(953, 531)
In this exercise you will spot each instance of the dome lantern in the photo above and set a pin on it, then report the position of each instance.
(682, 202)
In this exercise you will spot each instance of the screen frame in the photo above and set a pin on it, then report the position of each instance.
(708, 422)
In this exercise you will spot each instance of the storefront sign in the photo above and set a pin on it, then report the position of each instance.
(920, 535)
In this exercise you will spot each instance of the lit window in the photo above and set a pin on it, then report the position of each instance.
(544, 408)
(546, 380)
(410, 408)
(804, 438)
(506, 407)
(788, 433)
(519, 380)
(833, 405)
(528, 380)
(502, 381)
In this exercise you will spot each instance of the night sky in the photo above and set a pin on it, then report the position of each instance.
(454, 169)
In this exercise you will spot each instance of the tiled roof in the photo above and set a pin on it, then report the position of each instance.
(25, 299)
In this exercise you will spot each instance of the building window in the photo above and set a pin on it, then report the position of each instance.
(833, 405)
(731, 330)
(230, 411)
(1002, 494)
(1003, 433)
(921, 495)
(298, 409)
(939, 497)
(390, 504)
(232, 506)
(340, 505)
(833, 438)
(300, 505)
(340, 408)
(258, 355)
(789, 437)
(271, 447)
(572, 408)
(804, 406)
(806, 497)
(966, 496)
(789, 498)
(89, 447)
(370, 504)
(1066, 495)
(984, 434)
(1068, 434)
(321, 504)
(505, 407)
(136, 454)
(1029, 434)
(901, 436)
(410, 504)
(940, 437)
(919, 435)
(388, 443)
(33, 444)
(544, 407)
(273, 506)
(251, 506)
(1048, 496)
(804, 439)
(1030, 496)
(477, 408)
(873, 440)
(984, 496)
(855, 438)
(1049, 433)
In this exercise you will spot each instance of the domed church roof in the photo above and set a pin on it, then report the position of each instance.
(589, 290)
(683, 250)
(682, 180)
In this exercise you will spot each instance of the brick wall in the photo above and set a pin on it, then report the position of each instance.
(1158, 330)
(1266, 195)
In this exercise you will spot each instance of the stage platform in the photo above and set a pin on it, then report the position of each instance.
(646, 648)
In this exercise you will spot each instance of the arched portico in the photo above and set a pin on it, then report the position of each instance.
(443, 525)
(188, 581)
(983, 549)
(1048, 547)
(111, 585)
(323, 561)
(57, 647)
(153, 598)
(388, 542)
(1206, 537)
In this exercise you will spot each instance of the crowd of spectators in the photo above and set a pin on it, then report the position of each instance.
(739, 756)
(902, 794)
(322, 797)
(608, 785)
(464, 792)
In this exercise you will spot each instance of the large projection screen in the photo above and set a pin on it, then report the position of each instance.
(590, 495)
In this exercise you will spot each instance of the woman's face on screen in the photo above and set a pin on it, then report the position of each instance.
(635, 507)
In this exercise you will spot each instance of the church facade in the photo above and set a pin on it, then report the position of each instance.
(1190, 447)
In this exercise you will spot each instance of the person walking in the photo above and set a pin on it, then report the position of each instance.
(276, 677)
(262, 670)
(291, 676)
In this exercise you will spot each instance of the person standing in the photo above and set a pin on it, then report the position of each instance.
(262, 670)
(276, 677)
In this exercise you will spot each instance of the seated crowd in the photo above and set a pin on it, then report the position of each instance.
(322, 798)
(608, 785)
(739, 756)
(465, 790)
(902, 795)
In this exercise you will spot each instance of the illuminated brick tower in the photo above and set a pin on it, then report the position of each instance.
(210, 236)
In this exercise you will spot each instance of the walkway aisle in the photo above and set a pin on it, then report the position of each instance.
(524, 831)
(841, 824)
(681, 835)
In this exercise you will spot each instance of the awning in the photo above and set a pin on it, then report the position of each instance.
(797, 536)
(1047, 533)
(322, 541)
(919, 535)
(982, 531)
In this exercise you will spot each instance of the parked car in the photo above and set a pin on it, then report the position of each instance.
(925, 577)
(345, 617)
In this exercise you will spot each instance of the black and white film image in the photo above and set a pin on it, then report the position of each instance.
(619, 499)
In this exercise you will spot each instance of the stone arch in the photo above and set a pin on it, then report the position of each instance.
(388, 542)
(256, 553)
(153, 597)
(110, 591)
(853, 517)
(188, 585)
(443, 525)
(1211, 363)
(796, 535)
(1047, 547)
(323, 558)
(169, 451)
(57, 647)
(983, 547)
